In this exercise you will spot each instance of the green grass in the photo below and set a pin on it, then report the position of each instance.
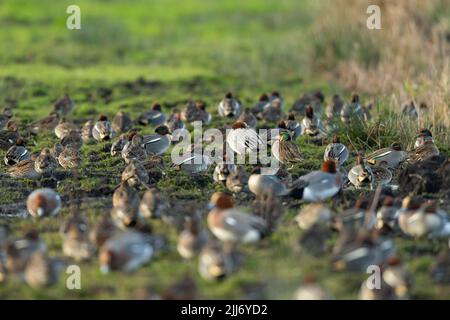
(188, 50)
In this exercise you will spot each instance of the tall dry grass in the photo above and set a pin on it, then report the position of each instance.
(408, 59)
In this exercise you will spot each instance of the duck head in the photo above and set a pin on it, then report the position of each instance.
(355, 98)
(220, 200)
(264, 97)
(162, 130)
(156, 107)
(239, 125)
(396, 146)
(309, 112)
(329, 166)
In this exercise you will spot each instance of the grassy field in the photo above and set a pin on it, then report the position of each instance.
(172, 51)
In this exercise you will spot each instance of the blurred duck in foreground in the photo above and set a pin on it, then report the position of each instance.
(214, 263)
(192, 239)
(125, 251)
(44, 203)
(75, 233)
(230, 224)
(311, 290)
(418, 219)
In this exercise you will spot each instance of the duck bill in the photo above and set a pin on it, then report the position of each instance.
(362, 179)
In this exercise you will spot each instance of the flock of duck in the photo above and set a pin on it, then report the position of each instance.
(123, 240)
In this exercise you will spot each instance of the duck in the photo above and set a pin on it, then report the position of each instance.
(192, 163)
(158, 143)
(44, 203)
(223, 170)
(440, 270)
(237, 180)
(118, 145)
(243, 140)
(409, 110)
(153, 204)
(352, 110)
(312, 214)
(260, 184)
(69, 158)
(285, 150)
(192, 239)
(314, 241)
(357, 255)
(423, 136)
(424, 151)
(387, 214)
(269, 208)
(135, 174)
(17, 153)
(45, 124)
(390, 157)
(5, 117)
(293, 126)
(76, 242)
(174, 121)
(126, 197)
(72, 140)
(397, 276)
(24, 169)
(86, 131)
(314, 99)
(154, 117)
(232, 225)
(311, 290)
(276, 100)
(229, 107)
(248, 118)
(335, 107)
(361, 175)
(103, 229)
(64, 127)
(381, 174)
(56, 150)
(102, 130)
(336, 151)
(19, 250)
(214, 263)
(196, 111)
(42, 271)
(320, 185)
(121, 122)
(10, 136)
(125, 251)
(383, 292)
(261, 105)
(45, 163)
(274, 111)
(134, 150)
(63, 105)
(311, 124)
(423, 220)
(126, 202)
